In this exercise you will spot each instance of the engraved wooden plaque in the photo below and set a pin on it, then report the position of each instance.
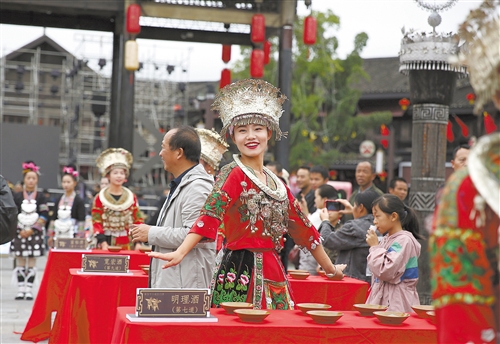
(71, 244)
(173, 302)
(105, 263)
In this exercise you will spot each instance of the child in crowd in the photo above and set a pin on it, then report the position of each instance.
(394, 262)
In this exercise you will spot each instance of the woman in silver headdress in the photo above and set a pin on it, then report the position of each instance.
(254, 206)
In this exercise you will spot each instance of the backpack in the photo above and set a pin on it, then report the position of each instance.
(8, 213)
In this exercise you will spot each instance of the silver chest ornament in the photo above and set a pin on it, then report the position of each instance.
(63, 226)
(28, 216)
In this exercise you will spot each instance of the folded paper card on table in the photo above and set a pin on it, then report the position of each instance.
(71, 244)
(172, 303)
(105, 263)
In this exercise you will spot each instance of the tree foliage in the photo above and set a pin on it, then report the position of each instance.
(325, 124)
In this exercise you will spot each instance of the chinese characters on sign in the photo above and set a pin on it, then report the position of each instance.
(172, 302)
(105, 263)
(71, 244)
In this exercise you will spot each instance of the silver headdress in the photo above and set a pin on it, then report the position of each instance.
(249, 101)
(212, 147)
(114, 158)
(481, 51)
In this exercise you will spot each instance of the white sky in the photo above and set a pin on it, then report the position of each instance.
(382, 20)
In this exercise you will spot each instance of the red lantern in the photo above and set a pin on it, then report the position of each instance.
(267, 52)
(258, 34)
(332, 174)
(489, 123)
(226, 53)
(133, 16)
(404, 103)
(384, 131)
(449, 132)
(257, 63)
(471, 97)
(310, 30)
(225, 78)
(382, 175)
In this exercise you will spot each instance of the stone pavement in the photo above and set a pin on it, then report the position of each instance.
(14, 314)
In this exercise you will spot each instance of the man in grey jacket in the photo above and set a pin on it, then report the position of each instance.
(180, 153)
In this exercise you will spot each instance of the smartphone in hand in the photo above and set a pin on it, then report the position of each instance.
(332, 205)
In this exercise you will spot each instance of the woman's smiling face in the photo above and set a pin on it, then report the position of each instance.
(251, 139)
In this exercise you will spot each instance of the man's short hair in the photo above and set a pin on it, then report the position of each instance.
(393, 182)
(321, 170)
(187, 138)
(277, 166)
(372, 166)
(327, 191)
(304, 167)
(455, 151)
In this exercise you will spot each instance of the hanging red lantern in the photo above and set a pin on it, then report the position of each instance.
(489, 123)
(471, 97)
(258, 34)
(382, 175)
(226, 53)
(384, 143)
(449, 132)
(404, 103)
(332, 174)
(310, 26)
(384, 131)
(133, 16)
(267, 52)
(257, 63)
(463, 126)
(225, 78)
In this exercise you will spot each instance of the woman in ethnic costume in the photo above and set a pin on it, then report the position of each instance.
(115, 208)
(464, 247)
(68, 219)
(254, 206)
(29, 242)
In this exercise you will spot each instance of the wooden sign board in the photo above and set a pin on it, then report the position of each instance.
(173, 302)
(71, 244)
(105, 263)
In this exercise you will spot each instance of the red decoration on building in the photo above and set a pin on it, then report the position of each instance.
(267, 52)
(404, 103)
(133, 16)
(384, 131)
(382, 175)
(471, 97)
(310, 28)
(257, 63)
(384, 143)
(258, 34)
(332, 174)
(489, 123)
(463, 126)
(226, 53)
(449, 132)
(225, 78)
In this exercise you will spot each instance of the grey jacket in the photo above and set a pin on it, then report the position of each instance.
(350, 241)
(174, 222)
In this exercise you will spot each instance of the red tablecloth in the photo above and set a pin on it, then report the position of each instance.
(53, 284)
(278, 327)
(341, 295)
(89, 308)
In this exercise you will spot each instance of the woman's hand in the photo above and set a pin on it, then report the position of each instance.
(348, 208)
(371, 238)
(332, 216)
(338, 272)
(172, 258)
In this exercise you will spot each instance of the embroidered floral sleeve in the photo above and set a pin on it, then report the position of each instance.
(43, 212)
(97, 215)
(216, 205)
(137, 213)
(300, 228)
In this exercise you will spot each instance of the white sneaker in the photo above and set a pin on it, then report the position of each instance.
(28, 296)
(20, 296)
